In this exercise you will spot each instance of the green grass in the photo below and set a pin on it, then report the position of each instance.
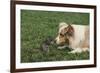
(37, 25)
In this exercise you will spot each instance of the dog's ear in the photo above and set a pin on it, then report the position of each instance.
(62, 24)
(69, 30)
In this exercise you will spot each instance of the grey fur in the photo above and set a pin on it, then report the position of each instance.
(46, 43)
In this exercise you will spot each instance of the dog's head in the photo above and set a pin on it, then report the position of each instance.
(64, 34)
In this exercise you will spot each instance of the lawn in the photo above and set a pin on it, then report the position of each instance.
(37, 25)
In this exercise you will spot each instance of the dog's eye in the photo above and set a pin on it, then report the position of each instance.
(61, 34)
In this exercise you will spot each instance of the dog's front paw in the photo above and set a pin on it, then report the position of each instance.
(78, 50)
(61, 47)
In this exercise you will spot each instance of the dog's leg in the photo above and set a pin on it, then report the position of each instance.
(62, 47)
(79, 50)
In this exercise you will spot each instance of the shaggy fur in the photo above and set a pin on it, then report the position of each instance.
(73, 36)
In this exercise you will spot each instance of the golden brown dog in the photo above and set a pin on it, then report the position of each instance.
(73, 36)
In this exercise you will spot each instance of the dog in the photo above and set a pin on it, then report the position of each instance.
(73, 36)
